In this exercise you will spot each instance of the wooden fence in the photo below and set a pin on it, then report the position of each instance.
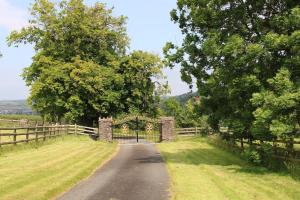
(188, 131)
(9, 136)
(83, 130)
(282, 149)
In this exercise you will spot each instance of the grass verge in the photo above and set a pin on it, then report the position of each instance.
(45, 171)
(199, 170)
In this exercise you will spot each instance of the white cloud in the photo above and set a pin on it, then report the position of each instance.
(11, 17)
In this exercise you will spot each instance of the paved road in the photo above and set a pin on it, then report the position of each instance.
(137, 172)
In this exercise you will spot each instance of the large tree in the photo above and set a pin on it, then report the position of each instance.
(232, 48)
(140, 71)
(78, 70)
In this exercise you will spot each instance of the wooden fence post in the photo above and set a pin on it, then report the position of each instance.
(27, 135)
(48, 131)
(55, 129)
(51, 130)
(36, 133)
(75, 129)
(15, 136)
(44, 133)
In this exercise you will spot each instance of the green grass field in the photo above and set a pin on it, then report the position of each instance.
(199, 170)
(7, 123)
(46, 170)
(19, 117)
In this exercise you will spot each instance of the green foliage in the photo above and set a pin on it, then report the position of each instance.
(138, 69)
(171, 107)
(185, 115)
(76, 91)
(81, 69)
(278, 107)
(184, 98)
(252, 156)
(233, 49)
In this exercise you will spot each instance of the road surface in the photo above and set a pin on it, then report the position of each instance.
(137, 172)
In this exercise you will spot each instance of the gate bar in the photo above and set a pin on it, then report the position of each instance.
(137, 129)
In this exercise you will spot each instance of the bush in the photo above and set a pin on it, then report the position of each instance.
(252, 156)
(266, 152)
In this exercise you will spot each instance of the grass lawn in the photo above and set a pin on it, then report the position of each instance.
(199, 170)
(45, 171)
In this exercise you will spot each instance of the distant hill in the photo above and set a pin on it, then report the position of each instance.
(183, 98)
(21, 106)
(15, 107)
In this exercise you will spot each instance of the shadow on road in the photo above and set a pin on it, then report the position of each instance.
(150, 159)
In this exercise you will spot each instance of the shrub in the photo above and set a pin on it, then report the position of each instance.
(253, 156)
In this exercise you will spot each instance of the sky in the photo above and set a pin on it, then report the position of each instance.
(149, 28)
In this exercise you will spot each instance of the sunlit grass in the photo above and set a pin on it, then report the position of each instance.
(44, 171)
(19, 117)
(201, 171)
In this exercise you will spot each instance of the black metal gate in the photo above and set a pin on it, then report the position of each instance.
(137, 129)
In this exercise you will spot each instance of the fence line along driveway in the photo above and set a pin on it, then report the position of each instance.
(136, 172)
(17, 135)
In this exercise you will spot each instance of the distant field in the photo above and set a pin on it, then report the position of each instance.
(48, 170)
(201, 171)
(7, 120)
(19, 117)
(15, 106)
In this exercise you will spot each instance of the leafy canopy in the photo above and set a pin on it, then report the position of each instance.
(185, 114)
(81, 69)
(233, 48)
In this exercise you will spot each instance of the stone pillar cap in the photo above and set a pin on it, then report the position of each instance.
(105, 119)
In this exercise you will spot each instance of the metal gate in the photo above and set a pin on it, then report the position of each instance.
(137, 129)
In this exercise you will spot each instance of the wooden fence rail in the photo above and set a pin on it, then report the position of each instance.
(84, 130)
(13, 136)
(188, 131)
(280, 147)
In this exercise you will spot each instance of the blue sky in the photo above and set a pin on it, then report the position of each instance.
(149, 28)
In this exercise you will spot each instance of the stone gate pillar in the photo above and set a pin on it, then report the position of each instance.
(167, 128)
(105, 129)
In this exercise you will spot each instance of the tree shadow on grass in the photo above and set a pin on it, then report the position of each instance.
(217, 157)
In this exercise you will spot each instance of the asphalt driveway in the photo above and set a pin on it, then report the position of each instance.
(137, 172)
